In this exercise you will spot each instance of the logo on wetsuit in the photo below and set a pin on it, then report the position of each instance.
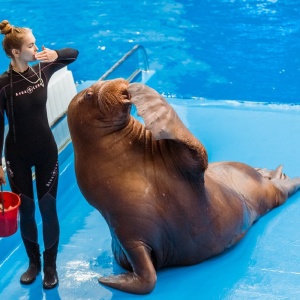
(29, 90)
(53, 175)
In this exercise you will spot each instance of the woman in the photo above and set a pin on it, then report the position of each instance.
(30, 143)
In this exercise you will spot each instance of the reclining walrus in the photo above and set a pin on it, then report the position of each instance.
(164, 204)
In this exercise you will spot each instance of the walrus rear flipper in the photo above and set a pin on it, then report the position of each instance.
(284, 184)
(143, 278)
(287, 186)
(270, 174)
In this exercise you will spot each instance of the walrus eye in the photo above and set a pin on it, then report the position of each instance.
(89, 94)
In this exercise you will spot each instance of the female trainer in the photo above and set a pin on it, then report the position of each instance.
(29, 144)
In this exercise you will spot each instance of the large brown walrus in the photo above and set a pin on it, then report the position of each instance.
(164, 204)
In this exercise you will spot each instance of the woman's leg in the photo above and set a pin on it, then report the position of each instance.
(47, 182)
(20, 180)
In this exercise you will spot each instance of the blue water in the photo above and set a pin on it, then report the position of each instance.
(216, 50)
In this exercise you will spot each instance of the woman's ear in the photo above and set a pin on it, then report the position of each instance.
(15, 52)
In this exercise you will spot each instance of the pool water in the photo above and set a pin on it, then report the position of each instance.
(220, 49)
(209, 57)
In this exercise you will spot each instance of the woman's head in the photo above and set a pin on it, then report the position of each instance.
(17, 39)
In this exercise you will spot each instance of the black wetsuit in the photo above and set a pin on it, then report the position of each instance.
(30, 144)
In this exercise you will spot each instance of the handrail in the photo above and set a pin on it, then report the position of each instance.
(125, 57)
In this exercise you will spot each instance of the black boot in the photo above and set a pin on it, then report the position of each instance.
(33, 252)
(50, 274)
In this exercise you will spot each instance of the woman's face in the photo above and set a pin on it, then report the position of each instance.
(29, 49)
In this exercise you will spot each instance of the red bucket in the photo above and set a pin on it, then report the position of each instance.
(9, 213)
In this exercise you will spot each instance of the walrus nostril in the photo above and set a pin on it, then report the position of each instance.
(126, 94)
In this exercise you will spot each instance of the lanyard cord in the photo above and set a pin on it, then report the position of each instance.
(11, 103)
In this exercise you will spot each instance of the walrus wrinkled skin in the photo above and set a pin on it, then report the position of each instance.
(164, 204)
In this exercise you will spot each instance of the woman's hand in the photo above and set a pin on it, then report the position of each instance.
(46, 55)
(2, 176)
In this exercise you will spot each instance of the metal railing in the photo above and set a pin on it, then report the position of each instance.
(145, 66)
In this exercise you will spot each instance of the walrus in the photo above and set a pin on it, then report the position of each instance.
(164, 204)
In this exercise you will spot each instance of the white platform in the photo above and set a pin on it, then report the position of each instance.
(61, 90)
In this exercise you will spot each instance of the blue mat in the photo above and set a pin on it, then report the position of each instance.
(264, 265)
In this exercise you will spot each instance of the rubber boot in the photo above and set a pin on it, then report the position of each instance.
(33, 252)
(50, 274)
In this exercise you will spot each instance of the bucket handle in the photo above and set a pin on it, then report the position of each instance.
(2, 200)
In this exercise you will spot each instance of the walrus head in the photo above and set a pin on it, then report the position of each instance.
(105, 104)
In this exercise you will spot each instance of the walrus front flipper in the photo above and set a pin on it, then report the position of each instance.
(159, 116)
(161, 119)
(141, 280)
